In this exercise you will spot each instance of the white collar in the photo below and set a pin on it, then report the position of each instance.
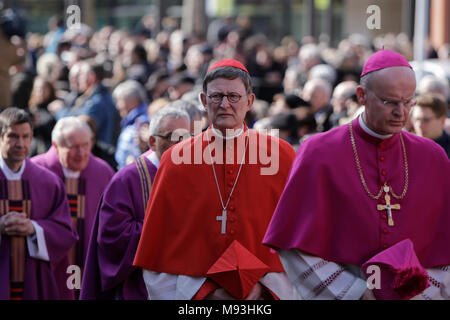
(219, 134)
(70, 174)
(153, 159)
(9, 174)
(370, 131)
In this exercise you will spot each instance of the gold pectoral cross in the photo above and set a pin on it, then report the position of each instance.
(388, 206)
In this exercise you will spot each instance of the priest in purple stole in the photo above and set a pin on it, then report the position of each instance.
(35, 228)
(109, 271)
(84, 175)
(363, 194)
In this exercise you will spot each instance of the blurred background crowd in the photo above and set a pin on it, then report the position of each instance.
(116, 77)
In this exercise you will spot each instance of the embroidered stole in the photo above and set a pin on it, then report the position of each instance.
(76, 195)
(15, 196)
(144, 178)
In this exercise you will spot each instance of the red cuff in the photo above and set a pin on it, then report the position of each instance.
(207, 288)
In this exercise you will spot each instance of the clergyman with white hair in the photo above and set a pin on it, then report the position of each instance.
(194, 112)
(109, 272)
(84, 175)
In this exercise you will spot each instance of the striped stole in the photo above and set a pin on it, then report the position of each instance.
(144, 178)
(15, 196)
(76, 194)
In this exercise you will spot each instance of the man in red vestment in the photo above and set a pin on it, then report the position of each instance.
(368, 200)
(211, 202)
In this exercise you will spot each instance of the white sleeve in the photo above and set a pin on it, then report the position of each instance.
(37, 248)
(439, 288)
(280, 285)
(166, 286)
(318, 279)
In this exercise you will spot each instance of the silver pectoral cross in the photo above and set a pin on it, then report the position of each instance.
(223, 218)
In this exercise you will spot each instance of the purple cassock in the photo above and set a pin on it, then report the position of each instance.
(325, 211)
(41, 195)
(83, 194)
(109, 271)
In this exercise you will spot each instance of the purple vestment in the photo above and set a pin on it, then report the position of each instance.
(50, 209)
(325, 211)
(93, 181)
(109, 271)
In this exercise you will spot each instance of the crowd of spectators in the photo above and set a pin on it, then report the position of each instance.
(115, 79)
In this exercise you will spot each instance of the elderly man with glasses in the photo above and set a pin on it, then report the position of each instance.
(211, 203)
(109, 273)
(84, 176)
(368, 200)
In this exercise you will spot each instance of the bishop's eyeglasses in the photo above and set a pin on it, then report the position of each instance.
(232, 97)
(177, 135)
(392, 104)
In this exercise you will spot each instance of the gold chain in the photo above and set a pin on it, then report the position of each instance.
(363, 181)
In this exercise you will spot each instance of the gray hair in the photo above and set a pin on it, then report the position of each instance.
(160, 115)
(130, 89)
(309, 51)
(67, 125)
(323, 71)
(432, 84)
(319, 83)
(192, 109)
(365, 80)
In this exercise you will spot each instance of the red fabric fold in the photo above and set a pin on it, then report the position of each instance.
(207, 288)
(237, 270)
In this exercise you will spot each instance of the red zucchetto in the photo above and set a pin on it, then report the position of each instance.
(228, 63)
